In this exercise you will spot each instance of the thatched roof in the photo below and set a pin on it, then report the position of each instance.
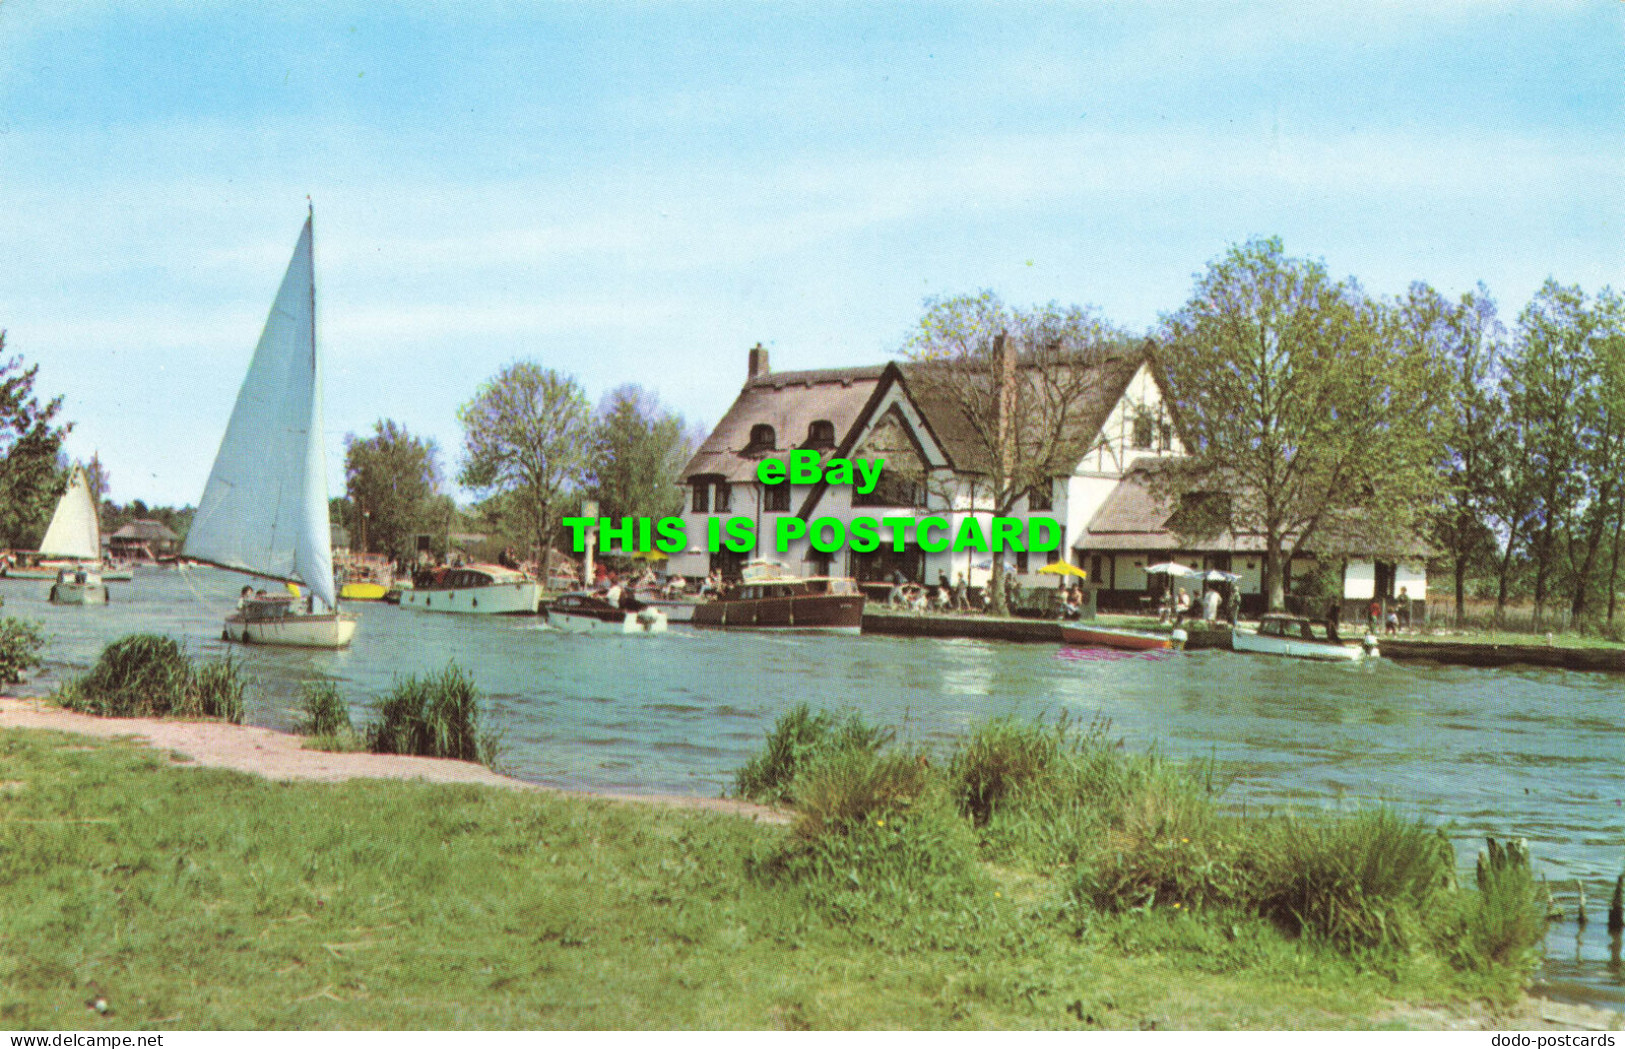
(1098, 379)
(146, 532)
(789, 402)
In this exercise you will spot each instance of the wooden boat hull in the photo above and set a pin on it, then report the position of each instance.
(648, 621)
(78, 594)
(293, 631)
(499, 599)
(1103, 637)
(363, 592)
(1297, 648)
(835, 613)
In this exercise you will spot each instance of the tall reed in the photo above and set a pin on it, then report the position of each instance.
(435, 716)
(148, 675)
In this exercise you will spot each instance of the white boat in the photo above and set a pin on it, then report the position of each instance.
(81, 586)
(264, 509)
(679, 608)
(482, 590)
(1294, 636)
(74, 543)
(590, 614)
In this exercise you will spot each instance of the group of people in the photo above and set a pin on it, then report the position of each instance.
(1399, 614)
(1214, 605)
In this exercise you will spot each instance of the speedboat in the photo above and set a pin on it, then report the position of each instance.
(582, 613)
(1279, 635)
(1107, 637)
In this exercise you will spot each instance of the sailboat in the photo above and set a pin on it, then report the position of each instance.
(264, 508)
(73, 536)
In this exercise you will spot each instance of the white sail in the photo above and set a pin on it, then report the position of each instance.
(264, 509)
(73, 532)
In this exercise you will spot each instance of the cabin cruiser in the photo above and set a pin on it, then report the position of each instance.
(1294, 636)
(770, 598)
(477, 589)
(583, 613)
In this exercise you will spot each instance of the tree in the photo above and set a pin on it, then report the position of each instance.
(1016, 385)
(1302, 408)
(30, 441)
(390, 478)
(528, 432)
(1546, 378)
(1469, 342)
(638, 452)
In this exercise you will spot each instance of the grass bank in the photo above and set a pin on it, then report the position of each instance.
(189, 898)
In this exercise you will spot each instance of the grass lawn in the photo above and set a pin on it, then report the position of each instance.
(190, 898)
(1468, 636)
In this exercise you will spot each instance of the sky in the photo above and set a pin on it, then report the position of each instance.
(640, 192)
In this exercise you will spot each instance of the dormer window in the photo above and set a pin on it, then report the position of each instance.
(820, 434)
(762, 438)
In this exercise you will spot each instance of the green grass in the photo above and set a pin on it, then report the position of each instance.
(195, 898)
(1442, 632)
(147, 675)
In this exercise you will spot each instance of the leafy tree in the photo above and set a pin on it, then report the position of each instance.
(1547, 375)
(1302, 404)
(390, 478)
(528, 432)
(30, 441)
(1469, 342)
(1016, 384)
(1601, 461)
(638, 452)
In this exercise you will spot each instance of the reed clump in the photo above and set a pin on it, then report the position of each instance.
(1121, 834)
(433, 716)
(324, 716)
(798, 739)
(148, 675)
(20, 643)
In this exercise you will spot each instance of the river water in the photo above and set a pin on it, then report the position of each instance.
(1513, 753)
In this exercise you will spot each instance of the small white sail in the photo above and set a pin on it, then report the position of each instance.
(264, 509)
(73, 532)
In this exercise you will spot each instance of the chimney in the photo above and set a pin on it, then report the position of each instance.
(758, 362)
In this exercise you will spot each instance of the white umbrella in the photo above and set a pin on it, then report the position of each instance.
(1172, 569)
(1214, 575)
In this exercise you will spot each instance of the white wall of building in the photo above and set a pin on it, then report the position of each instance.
(1413, 577)
(1360, 580)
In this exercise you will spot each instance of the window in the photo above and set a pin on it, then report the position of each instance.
(702, 497)
(724, 500)
(762, 438)
(1041, 497)
(821, 434)
(776, 498)
(1144, 427)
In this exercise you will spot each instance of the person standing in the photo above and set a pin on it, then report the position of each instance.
(961, 598)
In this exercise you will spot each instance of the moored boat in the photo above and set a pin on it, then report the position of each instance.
(477, 589)
(769, 601)
(1108, 637)
(1294, 636)
(679, 608)
(581, 613)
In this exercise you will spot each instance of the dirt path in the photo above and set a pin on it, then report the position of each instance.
(280, 756)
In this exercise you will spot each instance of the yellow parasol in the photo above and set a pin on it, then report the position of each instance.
(1063, 568)
(649, 555)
